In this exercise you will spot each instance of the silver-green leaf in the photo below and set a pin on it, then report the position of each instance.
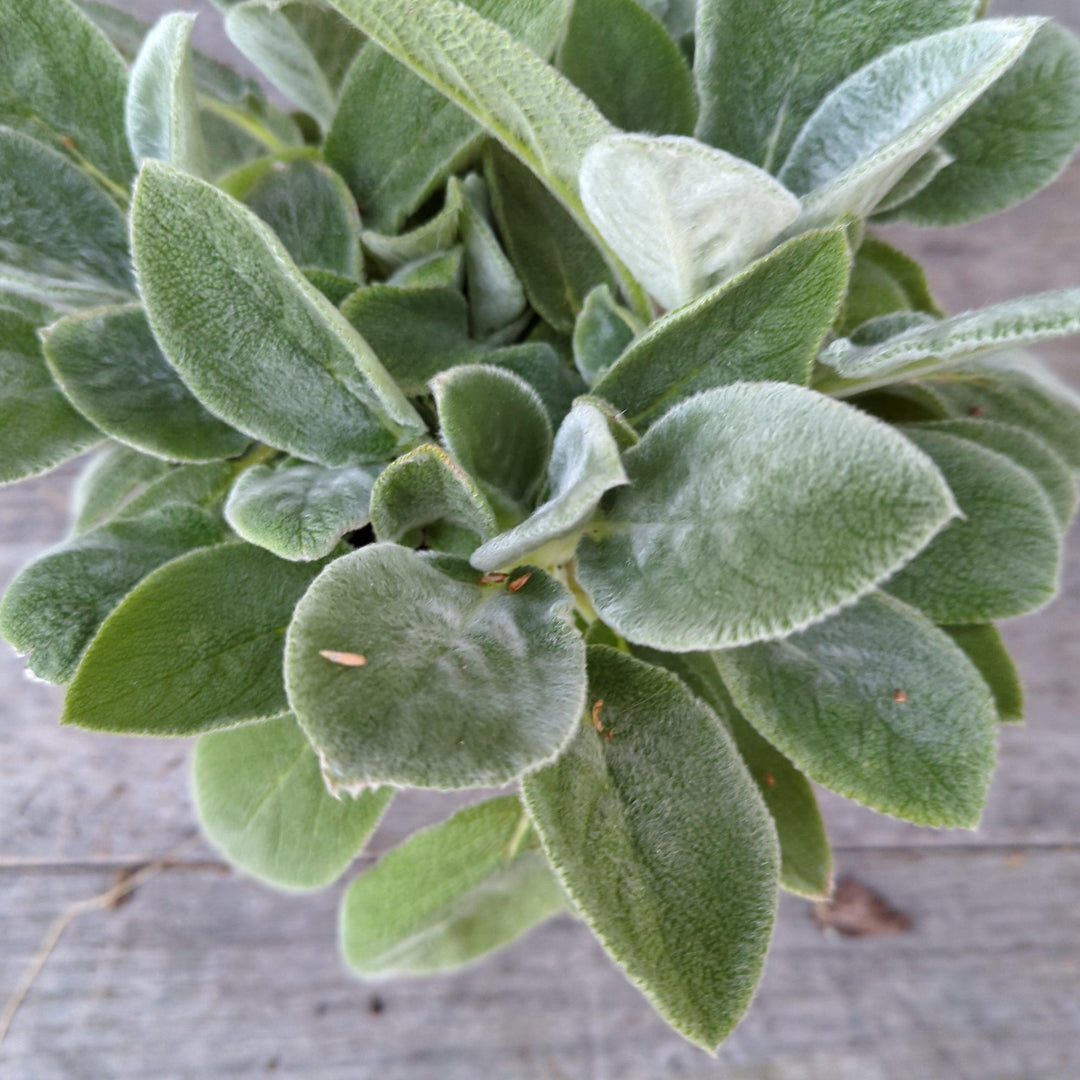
(262, 802)
(405, 669)
(664, 844)
(753, 511)
(879, 705)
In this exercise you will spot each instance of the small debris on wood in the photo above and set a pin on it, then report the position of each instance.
(345, 659)
(121, 893)
(855, 910)
(376, 1005)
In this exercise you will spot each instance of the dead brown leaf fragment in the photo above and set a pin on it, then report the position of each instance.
(519, 583)
(856, 910)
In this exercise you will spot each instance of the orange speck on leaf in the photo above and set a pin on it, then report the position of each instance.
(519, 583)
(770, 780)
(345, 659)
(597, 706)
(899, 696)
(493, 579)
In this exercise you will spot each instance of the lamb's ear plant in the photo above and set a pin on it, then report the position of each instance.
(536, 405)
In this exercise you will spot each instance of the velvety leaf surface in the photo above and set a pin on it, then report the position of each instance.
(112, 370)
(764, 66)
(262, 31)
(557, 262)
(173, 660)
(425, 495)
(449, 894)
(162, 108)
(584, 464)
(916, 179)
(1013, 141)
(464, 685)
(496, 295)
(754, 510)
(680, 214)
(986, 650)
(883, 281)
(1010, 324)
(313, 214)
(867, 134)
(602, 333)
(495, 427)
(1026, 450)
(435, 235)
(60, 79)
(664, 844)
(1025, 396)
(621, 57)
(262, 802)
(879, 705)
(250, 336)
(546, 372)
(443, 270)
(415, 332)
(396, 139)
(1002, 558)
(55, 606)
(765, 324)
(299, 511)
(65, 241)
(805, 860)
(334, 287)
(33, 311)
(494, 77)
(109, 479)
(38, 427)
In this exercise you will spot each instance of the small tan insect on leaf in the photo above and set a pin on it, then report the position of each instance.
(345, 659)
(493, 579)
(519, 583)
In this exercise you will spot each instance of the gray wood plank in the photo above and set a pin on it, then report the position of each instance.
(207, 975)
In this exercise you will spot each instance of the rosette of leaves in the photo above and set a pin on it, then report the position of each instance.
(536, 405)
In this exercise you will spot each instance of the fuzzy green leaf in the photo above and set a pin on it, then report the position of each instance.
(557, 262)
(450, 894)
(496, 295)
(1002, 558)
(753, 511)
(396, 139)
(112, 370)
(1026, 450)
(110, 479)
(602, 333)
(495, 427)
(299, 511)
(424, 495)
(64, 240)
(262, 31)
(918, 177)
(584, 464)
(879, 705)
(884, 281)
(545, 371)
(255, 342)
(1013, 323)
(764, 66)
(805, 859)
(172, 659)
(622, 59)
(61, 80)
(262, 802)
(463, 685)
(875, 126)
(38, 427)
(664, 844)
(765, 324)
(1015, 390)
(443, 270)
(439, 232)
(681, 215)
(986, 650)
(162, 108)
(1013, 141)
(55, 606)
(497, 79)
(313, 214)
(415, 332)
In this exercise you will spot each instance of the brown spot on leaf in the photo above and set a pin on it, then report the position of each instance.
(519, 583)
(769, 780)
(855, 910)
(900, 697)
(493, 579)
(976, 411)
(598, 705)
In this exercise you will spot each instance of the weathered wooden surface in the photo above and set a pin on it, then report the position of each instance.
(204, 974)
